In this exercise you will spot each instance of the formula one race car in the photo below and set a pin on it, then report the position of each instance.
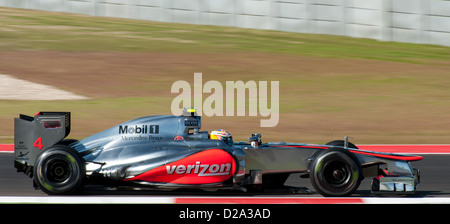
(169, 152)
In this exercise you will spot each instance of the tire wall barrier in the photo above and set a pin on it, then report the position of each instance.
(412, 21)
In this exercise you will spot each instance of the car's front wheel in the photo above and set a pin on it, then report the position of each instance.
(335, 173)
(59, 171)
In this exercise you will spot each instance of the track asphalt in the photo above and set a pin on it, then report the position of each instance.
(434, 188)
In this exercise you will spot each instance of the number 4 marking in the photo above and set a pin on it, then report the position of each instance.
(38, 143)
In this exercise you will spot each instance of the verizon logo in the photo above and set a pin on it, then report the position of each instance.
(202, 170)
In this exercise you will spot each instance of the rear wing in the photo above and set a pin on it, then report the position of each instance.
(33, 135)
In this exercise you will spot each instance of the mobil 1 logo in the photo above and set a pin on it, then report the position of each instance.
(139, 129)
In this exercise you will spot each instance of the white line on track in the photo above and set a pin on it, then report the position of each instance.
(172, 200)
(406, 200)
(84, 200)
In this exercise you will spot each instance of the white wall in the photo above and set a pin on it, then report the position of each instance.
(414, 21)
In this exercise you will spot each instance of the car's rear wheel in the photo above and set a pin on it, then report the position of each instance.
(59, 171)
(335, 173)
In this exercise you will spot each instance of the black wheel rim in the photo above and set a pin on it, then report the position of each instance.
(58, 171)
(336, 173)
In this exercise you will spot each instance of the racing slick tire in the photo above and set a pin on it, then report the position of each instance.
(59, 171)
(335, 173)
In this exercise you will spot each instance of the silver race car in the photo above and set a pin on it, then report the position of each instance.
(167, 152)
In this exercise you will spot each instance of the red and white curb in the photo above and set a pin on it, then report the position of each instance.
(214, 200)
(401, 148)
(408, 148)
(6, 147)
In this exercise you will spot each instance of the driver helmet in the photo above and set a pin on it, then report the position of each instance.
(221, 134)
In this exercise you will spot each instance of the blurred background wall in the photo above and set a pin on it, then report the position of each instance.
(413, 21)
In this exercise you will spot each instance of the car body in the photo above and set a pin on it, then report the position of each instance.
(167, 152)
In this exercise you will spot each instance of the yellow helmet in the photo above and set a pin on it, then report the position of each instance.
(221, 134)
